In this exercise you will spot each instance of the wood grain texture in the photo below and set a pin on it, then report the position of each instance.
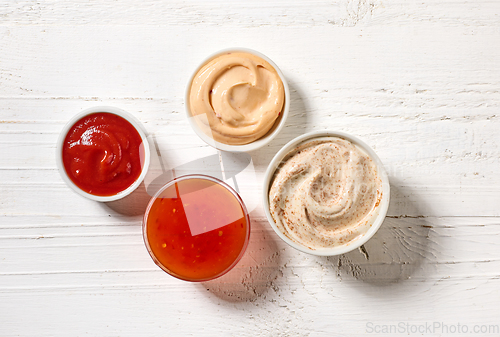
(417, 80)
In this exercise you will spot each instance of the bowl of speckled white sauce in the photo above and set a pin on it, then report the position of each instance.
(326, 193)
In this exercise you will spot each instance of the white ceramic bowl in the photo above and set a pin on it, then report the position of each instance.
(278, 124)
(383, 206)
(144, 161)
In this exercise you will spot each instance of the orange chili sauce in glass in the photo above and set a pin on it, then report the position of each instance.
(102, 154)
(196, 228)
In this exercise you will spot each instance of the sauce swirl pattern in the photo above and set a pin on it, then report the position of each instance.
(326, 193)
(102, 154)
(236, 98)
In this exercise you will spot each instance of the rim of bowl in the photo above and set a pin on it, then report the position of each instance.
(264, 140)
(115, 111)
(170, 183)
(384, 204)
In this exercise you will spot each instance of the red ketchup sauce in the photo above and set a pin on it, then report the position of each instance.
(196, 229)
(102, 154)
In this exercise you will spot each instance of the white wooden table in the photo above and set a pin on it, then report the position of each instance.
(417, 80)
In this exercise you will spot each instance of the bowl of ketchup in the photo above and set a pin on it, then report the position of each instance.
(103, 153)
(196, 228)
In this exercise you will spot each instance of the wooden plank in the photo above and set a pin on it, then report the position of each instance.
(417, 80)
(413, 263)
(342, 13)
(436, 167)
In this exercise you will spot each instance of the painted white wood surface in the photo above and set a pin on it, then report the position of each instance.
(418, 80)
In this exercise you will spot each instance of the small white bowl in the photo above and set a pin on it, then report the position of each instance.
(144, 161)
(278, 124)
(383, 206)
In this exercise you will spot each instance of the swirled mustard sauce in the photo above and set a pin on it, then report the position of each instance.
(326, 194)
(236, 98)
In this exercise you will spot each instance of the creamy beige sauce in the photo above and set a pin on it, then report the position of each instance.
(236, 98)
(326, 194)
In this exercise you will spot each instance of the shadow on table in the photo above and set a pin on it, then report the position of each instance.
(396, 251)
(133, 204)
(254, 275)
(296, 122)
(157, 175)
(295, 126)
(260, 267)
